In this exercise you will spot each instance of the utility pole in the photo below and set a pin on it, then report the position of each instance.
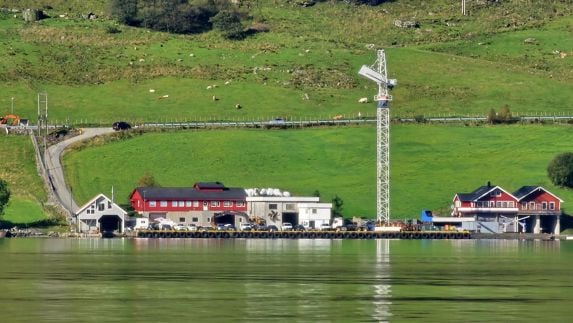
(464, 7)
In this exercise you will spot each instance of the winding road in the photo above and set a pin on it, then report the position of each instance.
(54, 167)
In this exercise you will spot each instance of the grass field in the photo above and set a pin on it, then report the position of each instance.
(429, 163)
(452, 64)
(18, 168)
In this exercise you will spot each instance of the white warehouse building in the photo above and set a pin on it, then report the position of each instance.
(276, 210)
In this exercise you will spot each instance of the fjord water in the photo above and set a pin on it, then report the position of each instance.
(200, 280)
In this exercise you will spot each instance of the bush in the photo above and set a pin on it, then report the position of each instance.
(229, 23)
(4, 195)
(560, 170)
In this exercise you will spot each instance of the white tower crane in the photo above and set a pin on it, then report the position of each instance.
(377, 73)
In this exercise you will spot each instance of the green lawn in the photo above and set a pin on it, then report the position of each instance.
(18, 168)
(429, 163)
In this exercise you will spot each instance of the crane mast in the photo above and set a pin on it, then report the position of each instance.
(378, 73)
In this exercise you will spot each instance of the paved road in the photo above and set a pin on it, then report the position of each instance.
(54, 167)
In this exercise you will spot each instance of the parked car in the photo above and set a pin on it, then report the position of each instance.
(191, 227)
(348, 225)
(121, 125)
(299, 227)
(272, 228)
(225, 227)
(325, 227)
(179, 227)
(245, 227)
(260, 227)
(287, 226)
(277, 122)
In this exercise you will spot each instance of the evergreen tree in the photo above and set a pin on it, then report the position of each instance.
(4, 195)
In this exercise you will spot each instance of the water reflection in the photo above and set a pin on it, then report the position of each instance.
(382, 290)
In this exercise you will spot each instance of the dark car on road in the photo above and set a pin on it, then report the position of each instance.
(121, 125)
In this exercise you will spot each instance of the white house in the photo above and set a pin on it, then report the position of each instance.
(100, 214)
(312, 215)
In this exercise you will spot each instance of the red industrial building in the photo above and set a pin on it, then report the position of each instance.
(190, 205)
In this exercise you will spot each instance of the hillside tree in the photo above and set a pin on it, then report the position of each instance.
(337, 204)
(560, 170)
(147, 180)
(228, 22)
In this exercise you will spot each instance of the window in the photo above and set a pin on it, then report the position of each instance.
(532, 205)
(227, 204)
(491, 203)
(290, 207)
(163, 203)
(194, 219)
(174, 203)
(188, 203)
(181, 203)
(215, 203)
(273, 206)
(552, 205)
(544, 205)
(205, 203)
(109, 204)
(181, 219)
(504, 204)
(101, 207)
(152, 203)
(524, 205)
(195, 203)
(498, 204)
(313, 211)
(240, 203)
(510, 204)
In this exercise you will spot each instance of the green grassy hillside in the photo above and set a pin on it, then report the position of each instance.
(452, 64)
(429, 163)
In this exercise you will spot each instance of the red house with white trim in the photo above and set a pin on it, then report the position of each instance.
(544, 206)
(485, 201)
(531, 207)
(190, 205)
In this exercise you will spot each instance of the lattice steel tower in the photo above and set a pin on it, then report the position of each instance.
(378, 73)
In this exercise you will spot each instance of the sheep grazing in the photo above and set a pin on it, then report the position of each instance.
(238, 106)
(215, 98)
(363, 100)
(151, 91)
(209, 87)
(164, 96)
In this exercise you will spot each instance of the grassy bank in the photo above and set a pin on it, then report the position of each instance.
(429, 163)
(18, 168)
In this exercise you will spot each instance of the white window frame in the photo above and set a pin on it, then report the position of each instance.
(174, 203)
(163, 203)
(552, 205)
(215, 203)
(195, 203)
(544, 205)
(240, 203)
(152, 203)
(228, 204)
(188, 203)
